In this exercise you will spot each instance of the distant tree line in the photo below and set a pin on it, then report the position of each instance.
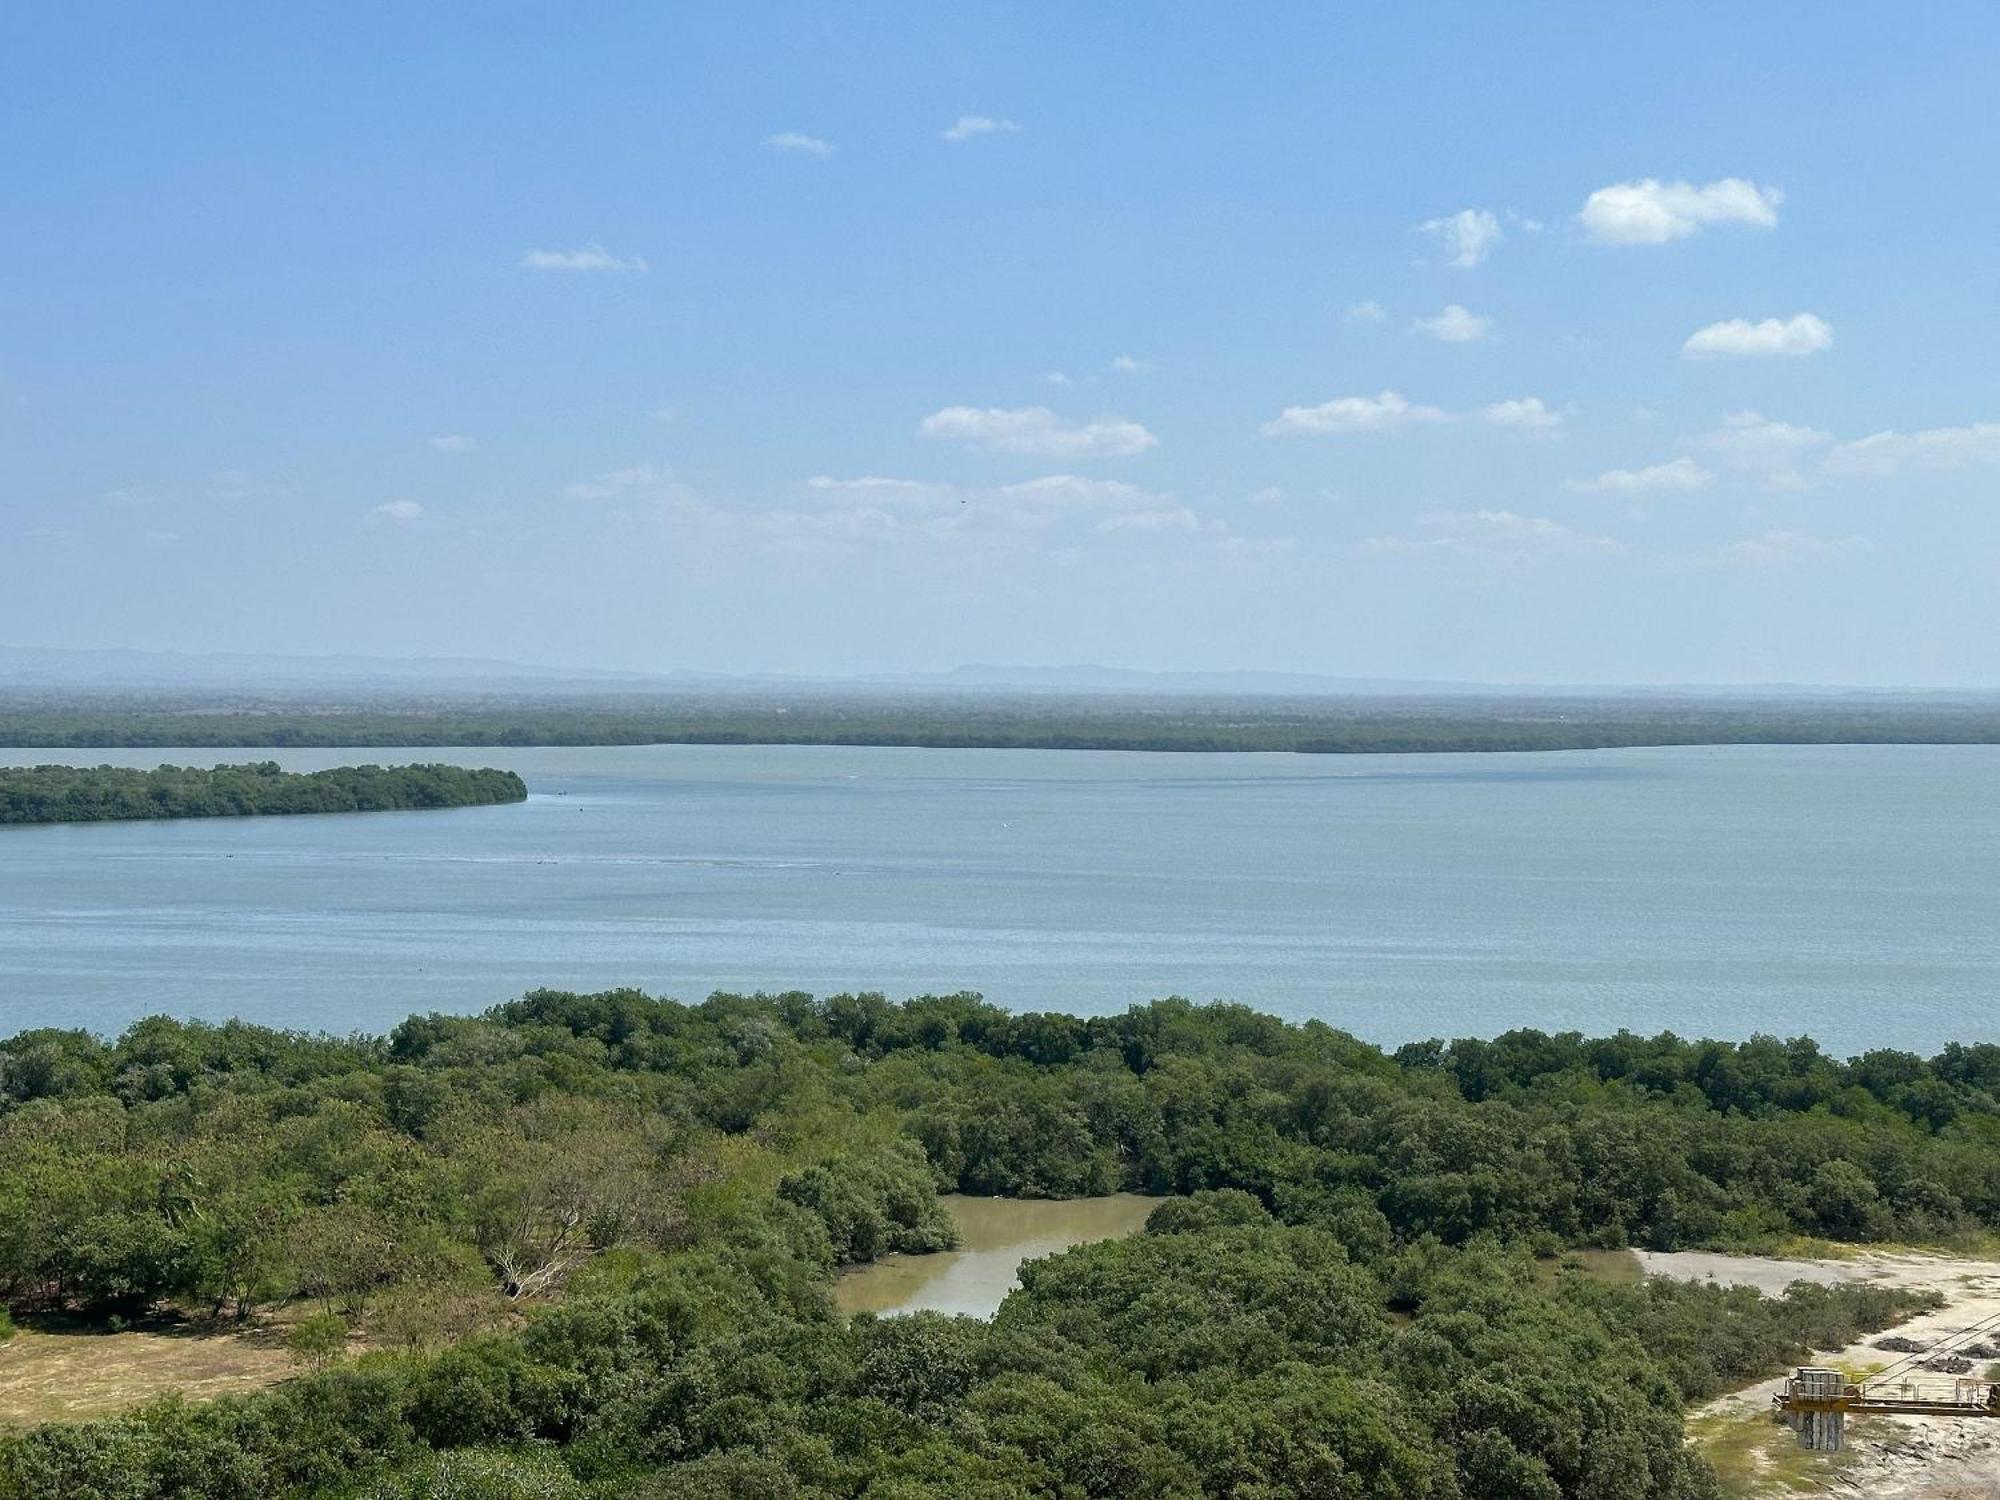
(1049, 721)
(590, 1239)
(95, 794)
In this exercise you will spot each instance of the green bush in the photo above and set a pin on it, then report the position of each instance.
(318, 1340)
(479, 1474)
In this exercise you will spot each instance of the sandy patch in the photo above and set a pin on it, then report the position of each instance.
(1888, 1458)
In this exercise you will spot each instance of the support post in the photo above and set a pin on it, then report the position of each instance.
(1814, 1408)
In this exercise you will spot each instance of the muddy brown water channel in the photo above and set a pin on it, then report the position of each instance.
(995, 1236)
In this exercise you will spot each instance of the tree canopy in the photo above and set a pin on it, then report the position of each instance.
(95, 794)
(590, 1240)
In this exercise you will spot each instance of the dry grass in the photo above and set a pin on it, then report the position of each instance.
(57, 1375)
(1755, 1456)
(1620, 1266)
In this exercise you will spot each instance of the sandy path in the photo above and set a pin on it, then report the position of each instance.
(1889, 1458)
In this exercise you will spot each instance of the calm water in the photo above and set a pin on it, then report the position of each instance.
(1853, 893)
(995, 1236)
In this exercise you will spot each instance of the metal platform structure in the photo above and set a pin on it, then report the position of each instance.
(1817, 1400)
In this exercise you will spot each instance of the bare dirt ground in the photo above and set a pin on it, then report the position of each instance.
(1887, 1458)
(62, 1376)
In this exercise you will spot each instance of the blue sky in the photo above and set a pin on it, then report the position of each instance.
(837, 339)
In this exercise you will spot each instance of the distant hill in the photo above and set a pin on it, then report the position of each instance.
(1090, 678)
(46, 667)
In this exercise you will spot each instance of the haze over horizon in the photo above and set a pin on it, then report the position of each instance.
(1564, 347)
(124, 668)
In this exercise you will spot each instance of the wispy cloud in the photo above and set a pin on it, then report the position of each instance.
(793, 140)
(453, 442)
(616, 482)
(242, 485)
(1652, 212)
(1504, 537)
(1680, 474)
(836, 519)
(1367, 311)
(1037, 430)
(1754, 443)
(873, 484)
(1126, 364)
(1781, 548)
(396, 512)
(1176, 520)
(1928, 448)
(971, 127)
(1738, 338)
(584, 258)
(1387, 411)
(1468, 234)
(1454, 325)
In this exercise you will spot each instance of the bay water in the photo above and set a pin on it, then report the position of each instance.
(1850, 893)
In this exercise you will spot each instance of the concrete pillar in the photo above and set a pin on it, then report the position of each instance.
(1819, 1428)
(1823, 1431)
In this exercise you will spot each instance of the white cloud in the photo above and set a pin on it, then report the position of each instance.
(1778, 548)
(1074, 490)
(1753, 442)
(1178, 520)
(1738, 338)
(664, 414)
(453, 442)
(401, 512)
(1929, 448)
(1270, 494)
(1037, 430)
(586, 258)
(1386, 412)
(792, 140)
(130, 496)
(1468, 234)
(882, 487)
(1057, 377)
(1525, 414)
(610, 485)
(1454, 326)
(1651, 212)
(1126, 364)
(1499, 536)
(1681, 474)
(1059, 516)
(966, 127)
(1369, 311)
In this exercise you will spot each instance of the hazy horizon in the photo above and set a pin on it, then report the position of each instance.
(1560, 347)
(119, 668)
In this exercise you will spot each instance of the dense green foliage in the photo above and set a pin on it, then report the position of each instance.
(74, 794)
(1072, 721)
(594, 1236)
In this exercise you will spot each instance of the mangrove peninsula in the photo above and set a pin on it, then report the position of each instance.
(98, 794)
